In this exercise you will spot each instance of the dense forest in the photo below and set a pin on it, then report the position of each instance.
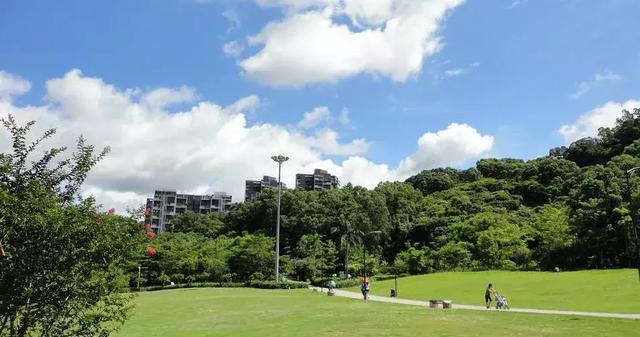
(570, 210)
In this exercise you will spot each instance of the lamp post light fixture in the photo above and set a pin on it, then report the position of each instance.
(278, 159)
(633, 233)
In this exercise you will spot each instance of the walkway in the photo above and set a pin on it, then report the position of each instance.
(350, 294)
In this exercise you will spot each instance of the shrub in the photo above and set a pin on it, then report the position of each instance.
(340, 283)
(250, 284)
(277, 285)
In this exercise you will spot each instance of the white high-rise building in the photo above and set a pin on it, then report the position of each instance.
(165, 204)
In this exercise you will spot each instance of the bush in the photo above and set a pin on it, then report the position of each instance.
(196, 285)
(257, 276)
(340, 283)
(251, 284)
(388, 277)
(277, 285)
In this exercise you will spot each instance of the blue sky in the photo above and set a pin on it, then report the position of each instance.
(516, 71)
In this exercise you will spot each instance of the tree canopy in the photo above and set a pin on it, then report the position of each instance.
(62, 261)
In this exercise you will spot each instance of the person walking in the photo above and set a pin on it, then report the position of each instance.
(364, 287)
(331, 285)
(487, 295)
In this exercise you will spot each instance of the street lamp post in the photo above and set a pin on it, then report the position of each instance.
(364, 253)
(278, 159)
(633, 233)
(395, 282)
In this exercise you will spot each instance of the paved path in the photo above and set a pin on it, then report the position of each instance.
(350, 294)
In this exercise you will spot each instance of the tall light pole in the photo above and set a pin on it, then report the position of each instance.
(364, 253)
(278, 159)
(633, 233)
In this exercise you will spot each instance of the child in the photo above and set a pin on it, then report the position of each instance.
(501, 302)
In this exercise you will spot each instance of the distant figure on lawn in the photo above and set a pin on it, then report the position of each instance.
(487, 295)
(331, 285)
(364, 287)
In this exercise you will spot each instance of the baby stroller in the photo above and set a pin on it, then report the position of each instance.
(501, 302)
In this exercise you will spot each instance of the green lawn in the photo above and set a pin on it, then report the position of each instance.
(253, 312)
(593, 290)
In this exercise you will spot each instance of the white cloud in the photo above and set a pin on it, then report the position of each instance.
(607, 76)
(12, 85)
(460, 71)
(296, 4)
(313, 44)
(369, 12)
(587, 125)
(206, 147)
(314, 117)
(454, 72)
(360, 171)
(326, 140)
(161, 98)
(344, 117)
(517, 3)
(233, 48)
(232, 19)
(586, 86)
(453, 146)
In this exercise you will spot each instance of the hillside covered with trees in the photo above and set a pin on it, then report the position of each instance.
(569, 209)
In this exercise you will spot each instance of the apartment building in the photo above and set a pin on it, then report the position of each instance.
(253, 187)
(165, 204)
(318, 180)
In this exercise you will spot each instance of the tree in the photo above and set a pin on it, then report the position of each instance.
(552, 235)
(339, 214)
(431, 181)
(593, 202)
(586, 152)
(453, 256)
(507, 168)
(402, 202)
(252, 254)
(413, 261)
(62, 260)
(318, 256)
(189, 255)
(208, 225)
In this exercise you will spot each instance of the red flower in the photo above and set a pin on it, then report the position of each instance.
(147, 212)
(151, 251)
(147, 227)
(111, 211)
(151, 235)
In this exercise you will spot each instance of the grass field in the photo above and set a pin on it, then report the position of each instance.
(593, 290)
(252, 312)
